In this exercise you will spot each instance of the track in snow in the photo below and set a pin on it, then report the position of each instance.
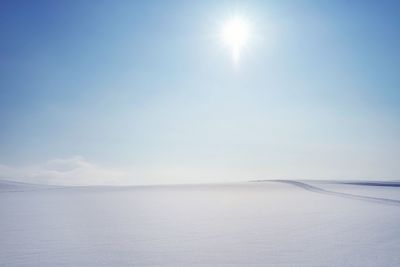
(315, 189)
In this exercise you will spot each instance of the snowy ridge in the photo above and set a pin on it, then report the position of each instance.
(339, 194)
(14, 186)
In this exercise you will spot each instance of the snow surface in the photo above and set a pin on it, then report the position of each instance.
(271, 223)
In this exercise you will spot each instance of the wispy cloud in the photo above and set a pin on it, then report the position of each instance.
(68, 171)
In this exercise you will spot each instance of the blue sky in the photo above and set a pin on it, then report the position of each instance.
(146, 89)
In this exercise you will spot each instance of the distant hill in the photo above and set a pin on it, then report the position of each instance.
(6, 186)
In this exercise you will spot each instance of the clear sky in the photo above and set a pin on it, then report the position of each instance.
(143, 92)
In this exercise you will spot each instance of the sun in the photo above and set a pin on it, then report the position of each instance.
(235, 35)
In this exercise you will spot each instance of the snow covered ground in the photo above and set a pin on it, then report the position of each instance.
(271, 223)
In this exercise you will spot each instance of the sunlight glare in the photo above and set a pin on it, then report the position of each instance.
(235, 34)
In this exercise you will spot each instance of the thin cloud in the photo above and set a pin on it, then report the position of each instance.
(68, 171)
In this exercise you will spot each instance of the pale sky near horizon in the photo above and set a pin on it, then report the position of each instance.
(143, 92)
